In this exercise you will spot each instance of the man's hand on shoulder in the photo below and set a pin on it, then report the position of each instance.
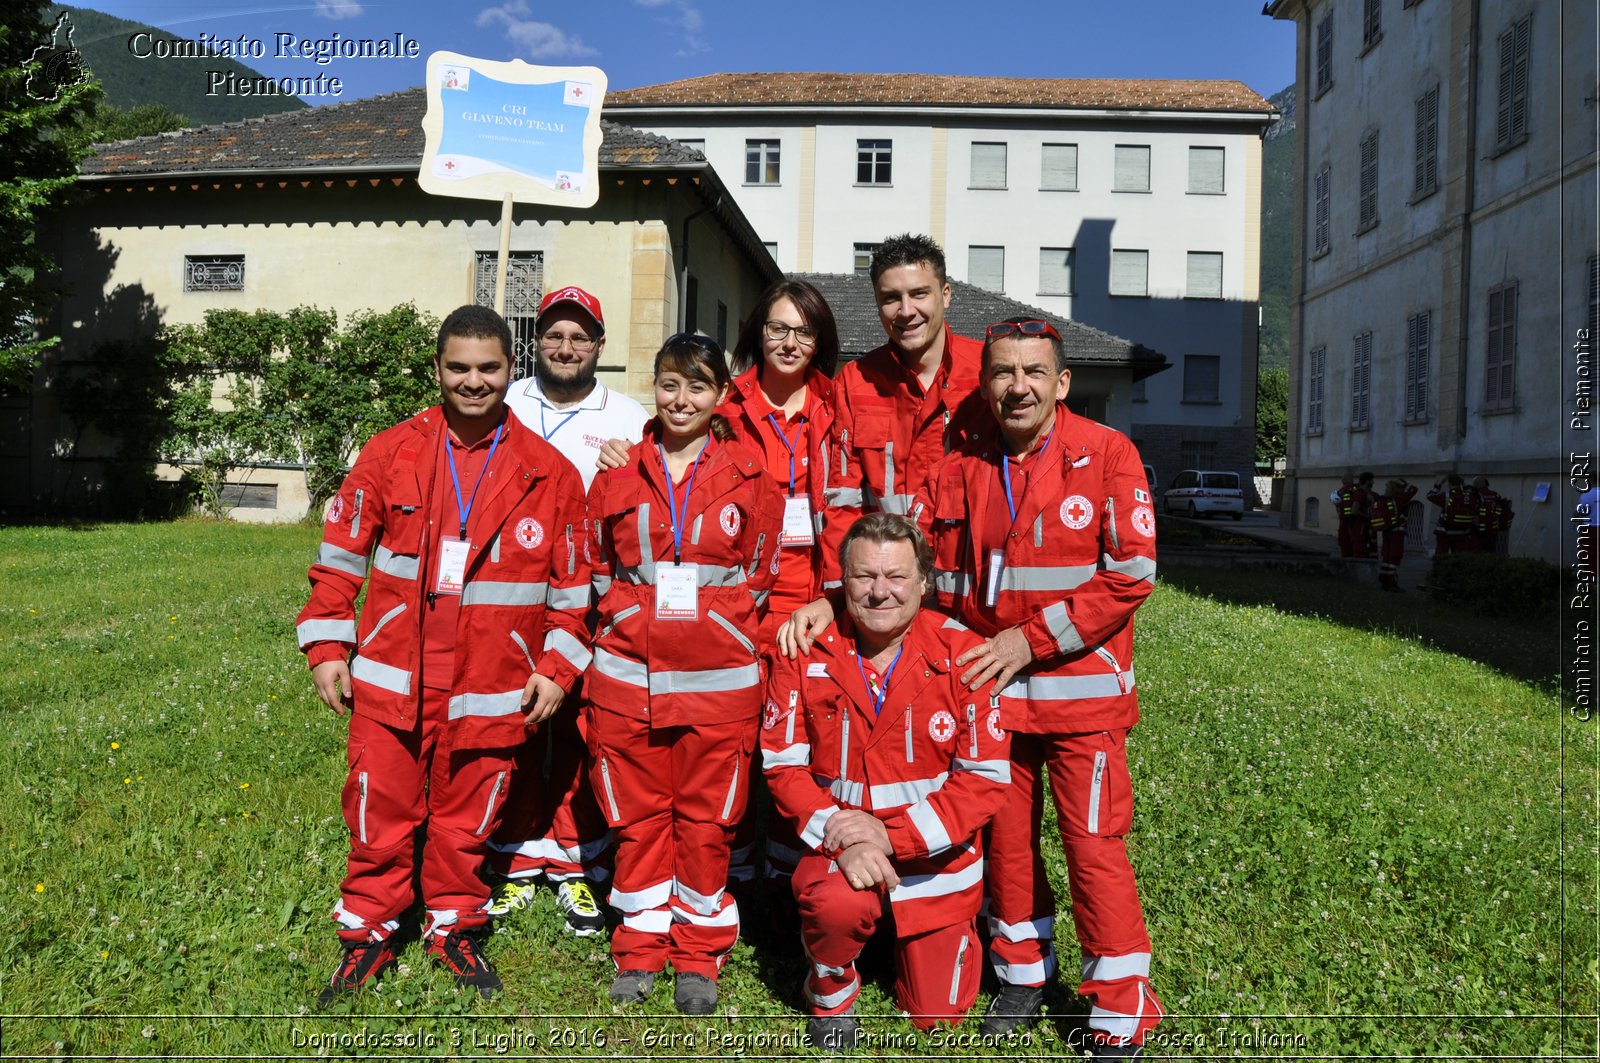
(798, 632)
(613, 455)
(999, 658)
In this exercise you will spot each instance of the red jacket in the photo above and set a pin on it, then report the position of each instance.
(1494, 511)
(933, 766)
(678, 672)
(1389, 514)
(1080, 559)
(523, 603)
(1458, 508)
(884, 444)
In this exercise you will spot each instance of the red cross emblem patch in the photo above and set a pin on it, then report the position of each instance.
(1143, 521)
(729, 519)
(529, 533)
(942, 726)
(771, 715)
(336, 510)
(996, 732)
(1077, 512)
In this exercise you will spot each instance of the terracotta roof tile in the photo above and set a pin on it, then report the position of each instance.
(943, 90)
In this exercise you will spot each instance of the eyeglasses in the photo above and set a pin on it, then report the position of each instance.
(1001, 329)
(581, 344)
(695, 339)
(777, 332)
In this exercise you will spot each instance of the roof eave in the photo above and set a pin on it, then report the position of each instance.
(1143, 114)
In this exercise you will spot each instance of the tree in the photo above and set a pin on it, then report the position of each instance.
(1272, 413)
(44, 95)
(110, 123)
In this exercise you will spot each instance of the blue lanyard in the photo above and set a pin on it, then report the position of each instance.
(883, 691)
(450, 460)
(799, 431)
(1005, 465)
(678, 519)
(548, 432)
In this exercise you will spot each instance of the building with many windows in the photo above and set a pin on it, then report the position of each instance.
(1132, 206)
(1445, 259)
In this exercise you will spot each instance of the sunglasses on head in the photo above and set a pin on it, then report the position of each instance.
(1001, 329)
(695, 339)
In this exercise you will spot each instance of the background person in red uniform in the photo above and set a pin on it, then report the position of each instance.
(888, 767)
(470, 527)
(1354, 500)
(1493, 517)
(1458, 515)
(1388, 522)
(685, 541)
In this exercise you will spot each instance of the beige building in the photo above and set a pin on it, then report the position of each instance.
(322, 208)
(1445, 256)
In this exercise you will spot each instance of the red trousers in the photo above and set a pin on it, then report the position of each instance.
(1393, 552)
(672, 796)
(1093, 796)
(936, 973)
(401, 781)
(551, 824)
(1352, 537)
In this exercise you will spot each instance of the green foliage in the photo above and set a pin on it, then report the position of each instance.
(1272, 413)
(1520, 587)
(294, 388)
(41, 157)
(112, 123)
(1277, 232)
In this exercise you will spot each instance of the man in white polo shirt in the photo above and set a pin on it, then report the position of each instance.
(552, 826)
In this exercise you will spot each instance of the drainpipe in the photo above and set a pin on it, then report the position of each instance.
(683, 273)
(1470, 196)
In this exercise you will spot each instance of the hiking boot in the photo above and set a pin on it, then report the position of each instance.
(1113, 1050)
(695, 994)
(508, 895)
(362, 962)
(837, 1034)
(1014, 1008)
(578, 904)
(630, 987)
(460, 955)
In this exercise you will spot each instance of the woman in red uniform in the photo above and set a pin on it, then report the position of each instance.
(685, 535)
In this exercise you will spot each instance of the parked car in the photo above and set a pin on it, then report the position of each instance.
(1150, 480)
(1198, 492)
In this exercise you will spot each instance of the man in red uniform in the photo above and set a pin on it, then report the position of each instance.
(1354, 502)
(1389, 524)
(1044, 542)
(473, 531)
(1493, 517)
(1458, 515)
(888, 768)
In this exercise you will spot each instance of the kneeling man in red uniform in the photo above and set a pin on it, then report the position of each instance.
(888, 769)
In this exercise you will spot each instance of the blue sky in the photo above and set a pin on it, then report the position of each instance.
(642, 42)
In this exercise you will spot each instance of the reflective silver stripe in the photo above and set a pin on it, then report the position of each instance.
(1067, 687)
(1041, 929)
(727, 626)
(653, 921)
(1038, 530)
(795, 756)
(937, 884)
(842, 496)
(330, 556)
(1119, 1026)
(384, 619)
(705, 681)
(956, 584)
(1136, 567)
(1110, 968)
(827, 1001)
(522, 645)
(311, 631)
(930, 826)
(494, 794)
(1061, 626)
(646, 569)
(832, 584)
(811, 833)
(887, 795)
(490, 592)
(953, 624)
(760, 597)
(400, 566)
(1095, 784)
(494, 549)
(1035, 973)
(602, 585)
(569, 598)
(384, 676)
(694, 533)
(1048, 578)
(888, 467)
(492, 705)
(727, 804)
(900, 504)
(706, 576)
(621, 669)
(655, 896)
(704, 903)
(845, 790)
(995, 770)
(563, 643)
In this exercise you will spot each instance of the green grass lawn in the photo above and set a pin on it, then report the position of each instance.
(1350, 840)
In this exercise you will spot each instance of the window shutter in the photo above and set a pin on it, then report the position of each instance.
(1325, 53)
(988, 166)
(1202, 378)
(1321, 220)
(986, 268)
(1369, 180)
(1426, 175)
(1055, 271)
(1058, 167)
(1205, 275)
(1129, 272)
(1319, 356)
(1519, 77)
(1132, 168)
(1508, 346)
(1206, 169)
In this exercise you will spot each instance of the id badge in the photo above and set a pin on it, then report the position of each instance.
(453, 555)
(797, 527)
(677, 591)
(997, 565)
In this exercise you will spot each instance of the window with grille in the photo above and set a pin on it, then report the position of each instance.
(873, 162)
(1058, 167)
(761, 162)
(524, 289)
(1325, 54)
(1130, 272)
(1320, 217)
(1316, 367)
(1205, 275)
(986, 268)
(1371, 23)
(1367, 212)
(213, 273)
(1419, 329)
(1131, 170)
(861, 262)
(1360, 380)
(1197, 453)
(988, 166)
(1055, 271)
(1425, 176)
(1206, 171)
(1500, 360)
(1511, 116)
(1202, 379)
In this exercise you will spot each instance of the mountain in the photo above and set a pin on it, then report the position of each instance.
(1277, 230)
(178, 84)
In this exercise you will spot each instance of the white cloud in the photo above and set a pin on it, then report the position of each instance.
(539, 40)
(338, 9)
(686, 19)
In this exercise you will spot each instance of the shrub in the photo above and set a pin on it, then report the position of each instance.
(1496, 586)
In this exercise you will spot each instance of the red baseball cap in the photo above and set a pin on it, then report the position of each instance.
(584, 301)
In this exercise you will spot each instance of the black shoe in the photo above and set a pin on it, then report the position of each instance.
(361, 963)
(1014, 1008)
(837, 1034)
(695, 994)
(630, 987)
(1110, 1050)
(460, 956)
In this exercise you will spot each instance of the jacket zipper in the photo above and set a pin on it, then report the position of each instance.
(844, 743)
(619, 618)
(794, 701)
(1105, 655)
(355, 517)
(755, 560)
(733, 790)
(972, 727)
(390, 615)
(494, 795)
(611, 797)
(844, 453)
(1095, 790)
(572, 552)
(523, 646)
(361, 808)
(730, 629)
(1111, 523)
(955, 977)
(910, 755)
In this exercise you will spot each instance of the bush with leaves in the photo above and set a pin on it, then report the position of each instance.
(1491, 585)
